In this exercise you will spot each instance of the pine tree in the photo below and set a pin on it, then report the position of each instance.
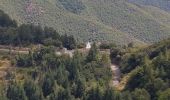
(32, 91)
(74, 71)
(95, 94)
(126, 95)
(140, 94)
(148, 70)
(16, 92)
(61, 76)
(165, 95)
(108, 95)
(93, 53)
(48, 85)
(105, 60)
(162, 72)
(80, 89)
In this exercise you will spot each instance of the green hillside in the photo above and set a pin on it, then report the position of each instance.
(112, 20)
(33, 66)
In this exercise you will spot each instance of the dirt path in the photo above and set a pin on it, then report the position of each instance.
(116, 75)
(15, 51)
(5, 65)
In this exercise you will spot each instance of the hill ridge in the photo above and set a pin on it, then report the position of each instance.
(118, 21)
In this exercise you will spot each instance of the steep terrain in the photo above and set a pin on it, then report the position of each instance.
(119, 21)
(162, 4)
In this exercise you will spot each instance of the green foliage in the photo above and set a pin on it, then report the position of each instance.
(165, 95)
(24, 61)
(74, 6)
(132, 62)
(69, 42)
(80, 89)
(81, 45)
(95, 94)
(27, 34)
(94, 20)
(111, 94)
(93, 53)
(16, 92)
(126, 95)
(32, 91)
(153, 71)
(83, 77)
(61, 75)
(105, 60)
(5, 20)
(69, 75)
(107, 45)
(140, 94)
(48, 85)
(77, 77)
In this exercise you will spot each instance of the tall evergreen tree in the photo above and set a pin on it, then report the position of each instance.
(32, 91)
(141, 94)
(165, 95)
(109, 95)
(95, 94)
(61, 75)
(93, 53)
(80, 89)
(48, 85)
(16, 92)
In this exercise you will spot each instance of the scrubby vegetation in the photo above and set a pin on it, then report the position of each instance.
(63, 78)
(163, 4)
(87, 77)
(47, 76)
(27, 34)
(149, 68)
(75, 6)
(41, 74)
(119, 21)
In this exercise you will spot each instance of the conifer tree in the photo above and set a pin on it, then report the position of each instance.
(16, 92)
(95, 94)
(32, 91)
(140, 94)
(108, 95)
(93, 53)
(61, 75)
(48, 85)
(80, 89)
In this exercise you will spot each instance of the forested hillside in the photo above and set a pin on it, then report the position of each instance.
(119, 21)
(27, 34)
(146, 71)
(42, 74)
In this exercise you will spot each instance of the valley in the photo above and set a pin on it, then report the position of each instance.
(84, 50)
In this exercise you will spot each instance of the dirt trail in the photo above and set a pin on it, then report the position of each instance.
(121, 84)
(5, 65)
(15, 51)
(116, 75)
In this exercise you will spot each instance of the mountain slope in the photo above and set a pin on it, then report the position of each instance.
(162, 4)
(103, 20)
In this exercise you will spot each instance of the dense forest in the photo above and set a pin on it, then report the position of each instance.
(118, 21)
(148, 68)
(43, 75)
(27, 34)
